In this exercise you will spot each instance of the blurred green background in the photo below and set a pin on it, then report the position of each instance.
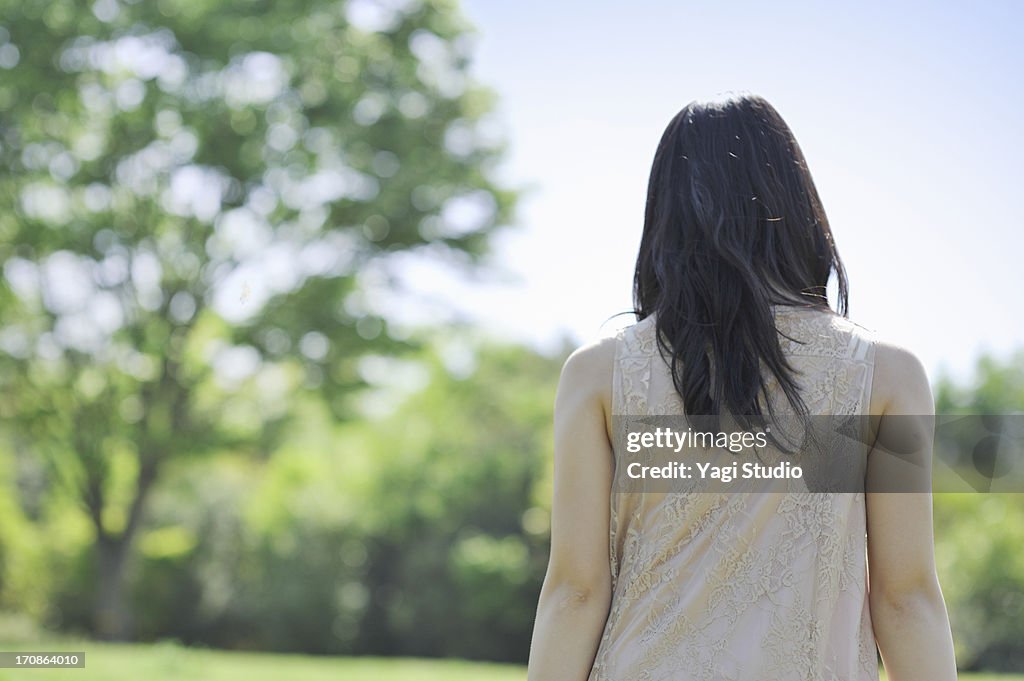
(209, 438)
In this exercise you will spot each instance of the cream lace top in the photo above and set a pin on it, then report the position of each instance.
(759, 586)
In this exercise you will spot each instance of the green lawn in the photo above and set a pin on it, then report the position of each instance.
(169, 662)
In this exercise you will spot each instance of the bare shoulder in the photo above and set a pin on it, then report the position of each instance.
(900, 384)
(587, 372)
(589, 367)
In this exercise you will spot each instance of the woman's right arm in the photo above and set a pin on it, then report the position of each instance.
(908, 612)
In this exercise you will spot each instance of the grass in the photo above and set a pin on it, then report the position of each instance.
(171, 662)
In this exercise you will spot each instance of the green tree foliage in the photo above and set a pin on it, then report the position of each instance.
(978, 536)
(194, 197)
(457, 556)
(421, 531)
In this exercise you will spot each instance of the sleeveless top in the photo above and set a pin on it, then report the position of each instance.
(730, 587)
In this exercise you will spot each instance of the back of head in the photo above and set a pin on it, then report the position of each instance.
(733, 226)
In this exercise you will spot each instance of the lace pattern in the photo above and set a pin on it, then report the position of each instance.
(733, 587)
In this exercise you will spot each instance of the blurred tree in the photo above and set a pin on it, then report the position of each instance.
(979, 535)
(997, 387)
(199, 196)
(457, 542)
(419, 530)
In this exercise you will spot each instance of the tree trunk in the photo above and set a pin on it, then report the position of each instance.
(111, 610)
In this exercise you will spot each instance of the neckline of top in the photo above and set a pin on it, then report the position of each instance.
(784, 308)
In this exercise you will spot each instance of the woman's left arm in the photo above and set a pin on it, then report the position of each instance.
(576, 594)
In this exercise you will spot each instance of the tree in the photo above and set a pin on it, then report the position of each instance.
(458, 508)
(194, 197)
(978, 535)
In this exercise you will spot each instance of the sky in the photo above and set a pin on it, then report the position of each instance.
(909, 115)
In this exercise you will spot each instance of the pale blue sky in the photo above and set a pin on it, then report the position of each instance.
(910, 118)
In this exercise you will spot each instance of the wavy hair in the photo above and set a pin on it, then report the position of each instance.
(733, 226)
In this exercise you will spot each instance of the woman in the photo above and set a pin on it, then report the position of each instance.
(734, 319)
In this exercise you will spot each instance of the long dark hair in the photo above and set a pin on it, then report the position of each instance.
(733, 226)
